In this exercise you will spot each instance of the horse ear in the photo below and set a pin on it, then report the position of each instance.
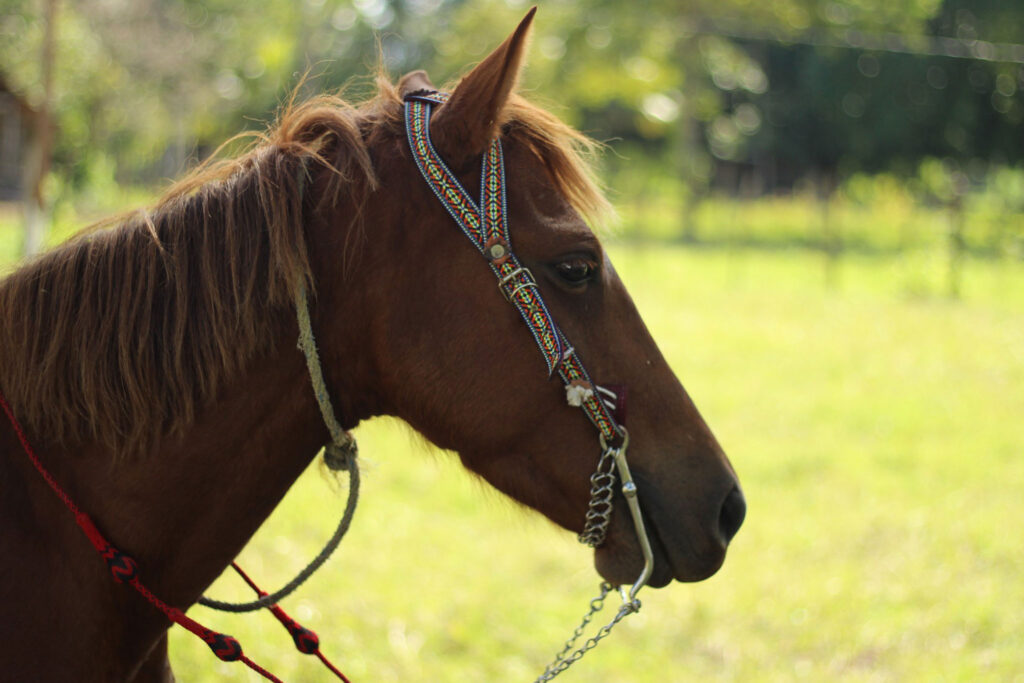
(414, 81)
(466, 124)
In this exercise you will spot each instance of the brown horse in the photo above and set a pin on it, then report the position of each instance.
(153, 365)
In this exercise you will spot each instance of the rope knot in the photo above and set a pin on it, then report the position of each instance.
(340, 457)
(226, 647)
(123, 567)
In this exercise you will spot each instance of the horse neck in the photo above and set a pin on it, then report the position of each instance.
(185, 511)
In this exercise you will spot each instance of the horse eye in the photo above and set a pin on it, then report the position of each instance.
(575, 271)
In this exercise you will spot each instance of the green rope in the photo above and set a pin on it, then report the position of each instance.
(339, 455)
(307, 343)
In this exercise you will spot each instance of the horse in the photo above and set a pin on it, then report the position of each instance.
(151, 363)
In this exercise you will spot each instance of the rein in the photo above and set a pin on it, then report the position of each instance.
(339, 455)
(125, 569)
(486, 226)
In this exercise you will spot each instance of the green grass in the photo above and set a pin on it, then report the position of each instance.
(877, 430)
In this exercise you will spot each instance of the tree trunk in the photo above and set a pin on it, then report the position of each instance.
(956, 244)
(40, 152)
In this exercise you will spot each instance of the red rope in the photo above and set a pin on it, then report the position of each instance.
(330, 667)
(305, 639)
(259, 669)
(35, 459)
(124, 568)
(245, 577)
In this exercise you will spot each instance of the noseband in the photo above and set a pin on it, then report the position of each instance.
(486, 226)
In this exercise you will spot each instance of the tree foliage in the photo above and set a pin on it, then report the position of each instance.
(143, 85)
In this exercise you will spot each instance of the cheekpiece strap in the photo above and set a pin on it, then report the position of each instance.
(486, 226)
(428, 96)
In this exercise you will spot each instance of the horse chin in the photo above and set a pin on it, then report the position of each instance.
(619, 560)
(620, 566)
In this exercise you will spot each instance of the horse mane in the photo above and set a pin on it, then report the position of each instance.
(567, 154)
(123, 333)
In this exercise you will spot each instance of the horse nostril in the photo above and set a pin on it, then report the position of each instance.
(734, 509)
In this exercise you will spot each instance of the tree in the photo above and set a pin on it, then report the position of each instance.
(40, 150)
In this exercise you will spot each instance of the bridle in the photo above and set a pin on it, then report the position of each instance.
(486, 226)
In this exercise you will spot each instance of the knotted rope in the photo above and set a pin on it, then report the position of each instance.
(339, 455)
(339, 437)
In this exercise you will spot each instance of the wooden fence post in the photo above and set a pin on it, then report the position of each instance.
(831, 233)
(956, 244)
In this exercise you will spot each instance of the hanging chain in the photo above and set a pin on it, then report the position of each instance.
(563, 660)
(599, 511)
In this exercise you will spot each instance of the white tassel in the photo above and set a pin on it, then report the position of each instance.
(576, 394)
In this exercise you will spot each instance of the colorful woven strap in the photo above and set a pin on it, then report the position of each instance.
(486, 226)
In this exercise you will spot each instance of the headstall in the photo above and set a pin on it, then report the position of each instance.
(486, 226)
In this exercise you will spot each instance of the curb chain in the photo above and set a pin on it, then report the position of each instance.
(563, 660)
(599, 511)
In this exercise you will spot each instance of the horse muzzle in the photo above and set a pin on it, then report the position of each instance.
(688, 537)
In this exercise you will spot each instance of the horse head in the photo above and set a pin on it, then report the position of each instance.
(427, 335)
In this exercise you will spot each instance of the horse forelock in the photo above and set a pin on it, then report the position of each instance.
(120, 335)
(566, 153)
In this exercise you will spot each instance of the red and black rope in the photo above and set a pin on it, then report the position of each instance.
(124, 568)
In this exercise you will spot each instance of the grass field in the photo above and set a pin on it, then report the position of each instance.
(877, 428)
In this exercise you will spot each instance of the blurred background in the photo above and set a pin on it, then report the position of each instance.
(821, 218)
